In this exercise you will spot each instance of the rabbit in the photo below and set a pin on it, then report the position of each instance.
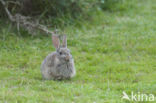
(58, 65)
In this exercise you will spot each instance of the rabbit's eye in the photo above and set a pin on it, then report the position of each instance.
(60, 53)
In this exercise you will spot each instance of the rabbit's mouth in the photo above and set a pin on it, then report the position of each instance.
(64, 60)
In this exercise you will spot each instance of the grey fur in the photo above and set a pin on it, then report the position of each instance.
(58, 65)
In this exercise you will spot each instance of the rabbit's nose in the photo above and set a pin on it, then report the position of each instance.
(67, 58)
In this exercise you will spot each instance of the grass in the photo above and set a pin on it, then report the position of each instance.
(115, 52)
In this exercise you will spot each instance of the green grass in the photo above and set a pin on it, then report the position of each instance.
(115, 52)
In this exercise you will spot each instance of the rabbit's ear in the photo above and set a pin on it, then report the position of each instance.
(64, 43)
(56, 41)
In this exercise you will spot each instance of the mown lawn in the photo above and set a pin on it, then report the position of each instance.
(115, 52)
